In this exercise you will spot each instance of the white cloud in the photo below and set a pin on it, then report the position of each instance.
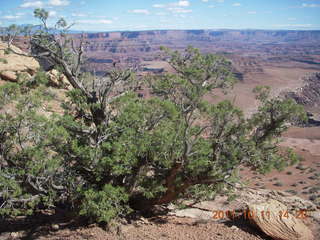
(59, 2)
(220, 1)
(292, 19)
(161, 14)
(100, 21)
(294, 25)
(78, 15)
(173, 4)
(180, 10)
(140, 11)
(252, 12)
(11, 17)
(159, 5)
(175, 7)
(183, 4)
(32, 4)
(205, 0)
(52, 13)
(211, 6)
(236, 4)
(312, 5)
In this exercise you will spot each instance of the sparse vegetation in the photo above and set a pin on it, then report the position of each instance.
(314, 190)
(278, 184)
(313, 197)
(301, 167)
(311, 170)
(4, 61)
(293, 192)
(112, 152)
(313, 178)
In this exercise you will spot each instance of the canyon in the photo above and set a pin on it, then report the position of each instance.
(249, 50)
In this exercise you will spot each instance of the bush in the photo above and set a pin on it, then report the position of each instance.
(278, 184)
(293, 192)
(145, 152)
(105, 205)
(40, 78)
(30, 171)
(3, 60)
(112, 152)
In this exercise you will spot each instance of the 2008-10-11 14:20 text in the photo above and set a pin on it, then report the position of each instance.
(247, 214)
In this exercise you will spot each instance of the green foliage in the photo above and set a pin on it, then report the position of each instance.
(7, 51)
(13, 29)
(107, 155)
(8, 92)
(267, 125)
(3, 60)
(105, 205)
(40, 79)
(41, 13)
(61, 23)
(30, 170)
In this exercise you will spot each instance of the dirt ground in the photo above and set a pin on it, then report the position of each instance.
(172, 228)
(279, 79)
(302, 179)
(158, 228)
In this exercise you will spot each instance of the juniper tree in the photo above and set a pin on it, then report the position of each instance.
(30, 172)
(112, 152)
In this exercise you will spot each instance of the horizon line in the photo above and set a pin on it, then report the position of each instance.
(184, 29)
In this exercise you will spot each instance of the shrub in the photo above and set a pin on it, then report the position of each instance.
(112, 152)
(105, 205)
(314, 190)
(3, 60)
(292, 191)
(278, 184)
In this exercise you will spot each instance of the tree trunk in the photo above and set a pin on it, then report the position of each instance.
(174, 189)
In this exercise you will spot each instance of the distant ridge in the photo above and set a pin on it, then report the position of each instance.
(75, 31)
(246, 36)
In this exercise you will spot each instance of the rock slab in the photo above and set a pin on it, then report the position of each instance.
(274, 219)
(12, 64)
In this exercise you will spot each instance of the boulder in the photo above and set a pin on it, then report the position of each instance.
(13, 64)
(9, 76)
(293, 203)
(192, 213)
(293, 224)
(273, 218)
(58, 80)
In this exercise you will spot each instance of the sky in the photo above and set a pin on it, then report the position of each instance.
(131, 15)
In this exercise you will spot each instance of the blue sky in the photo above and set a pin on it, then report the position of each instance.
(114, 15)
